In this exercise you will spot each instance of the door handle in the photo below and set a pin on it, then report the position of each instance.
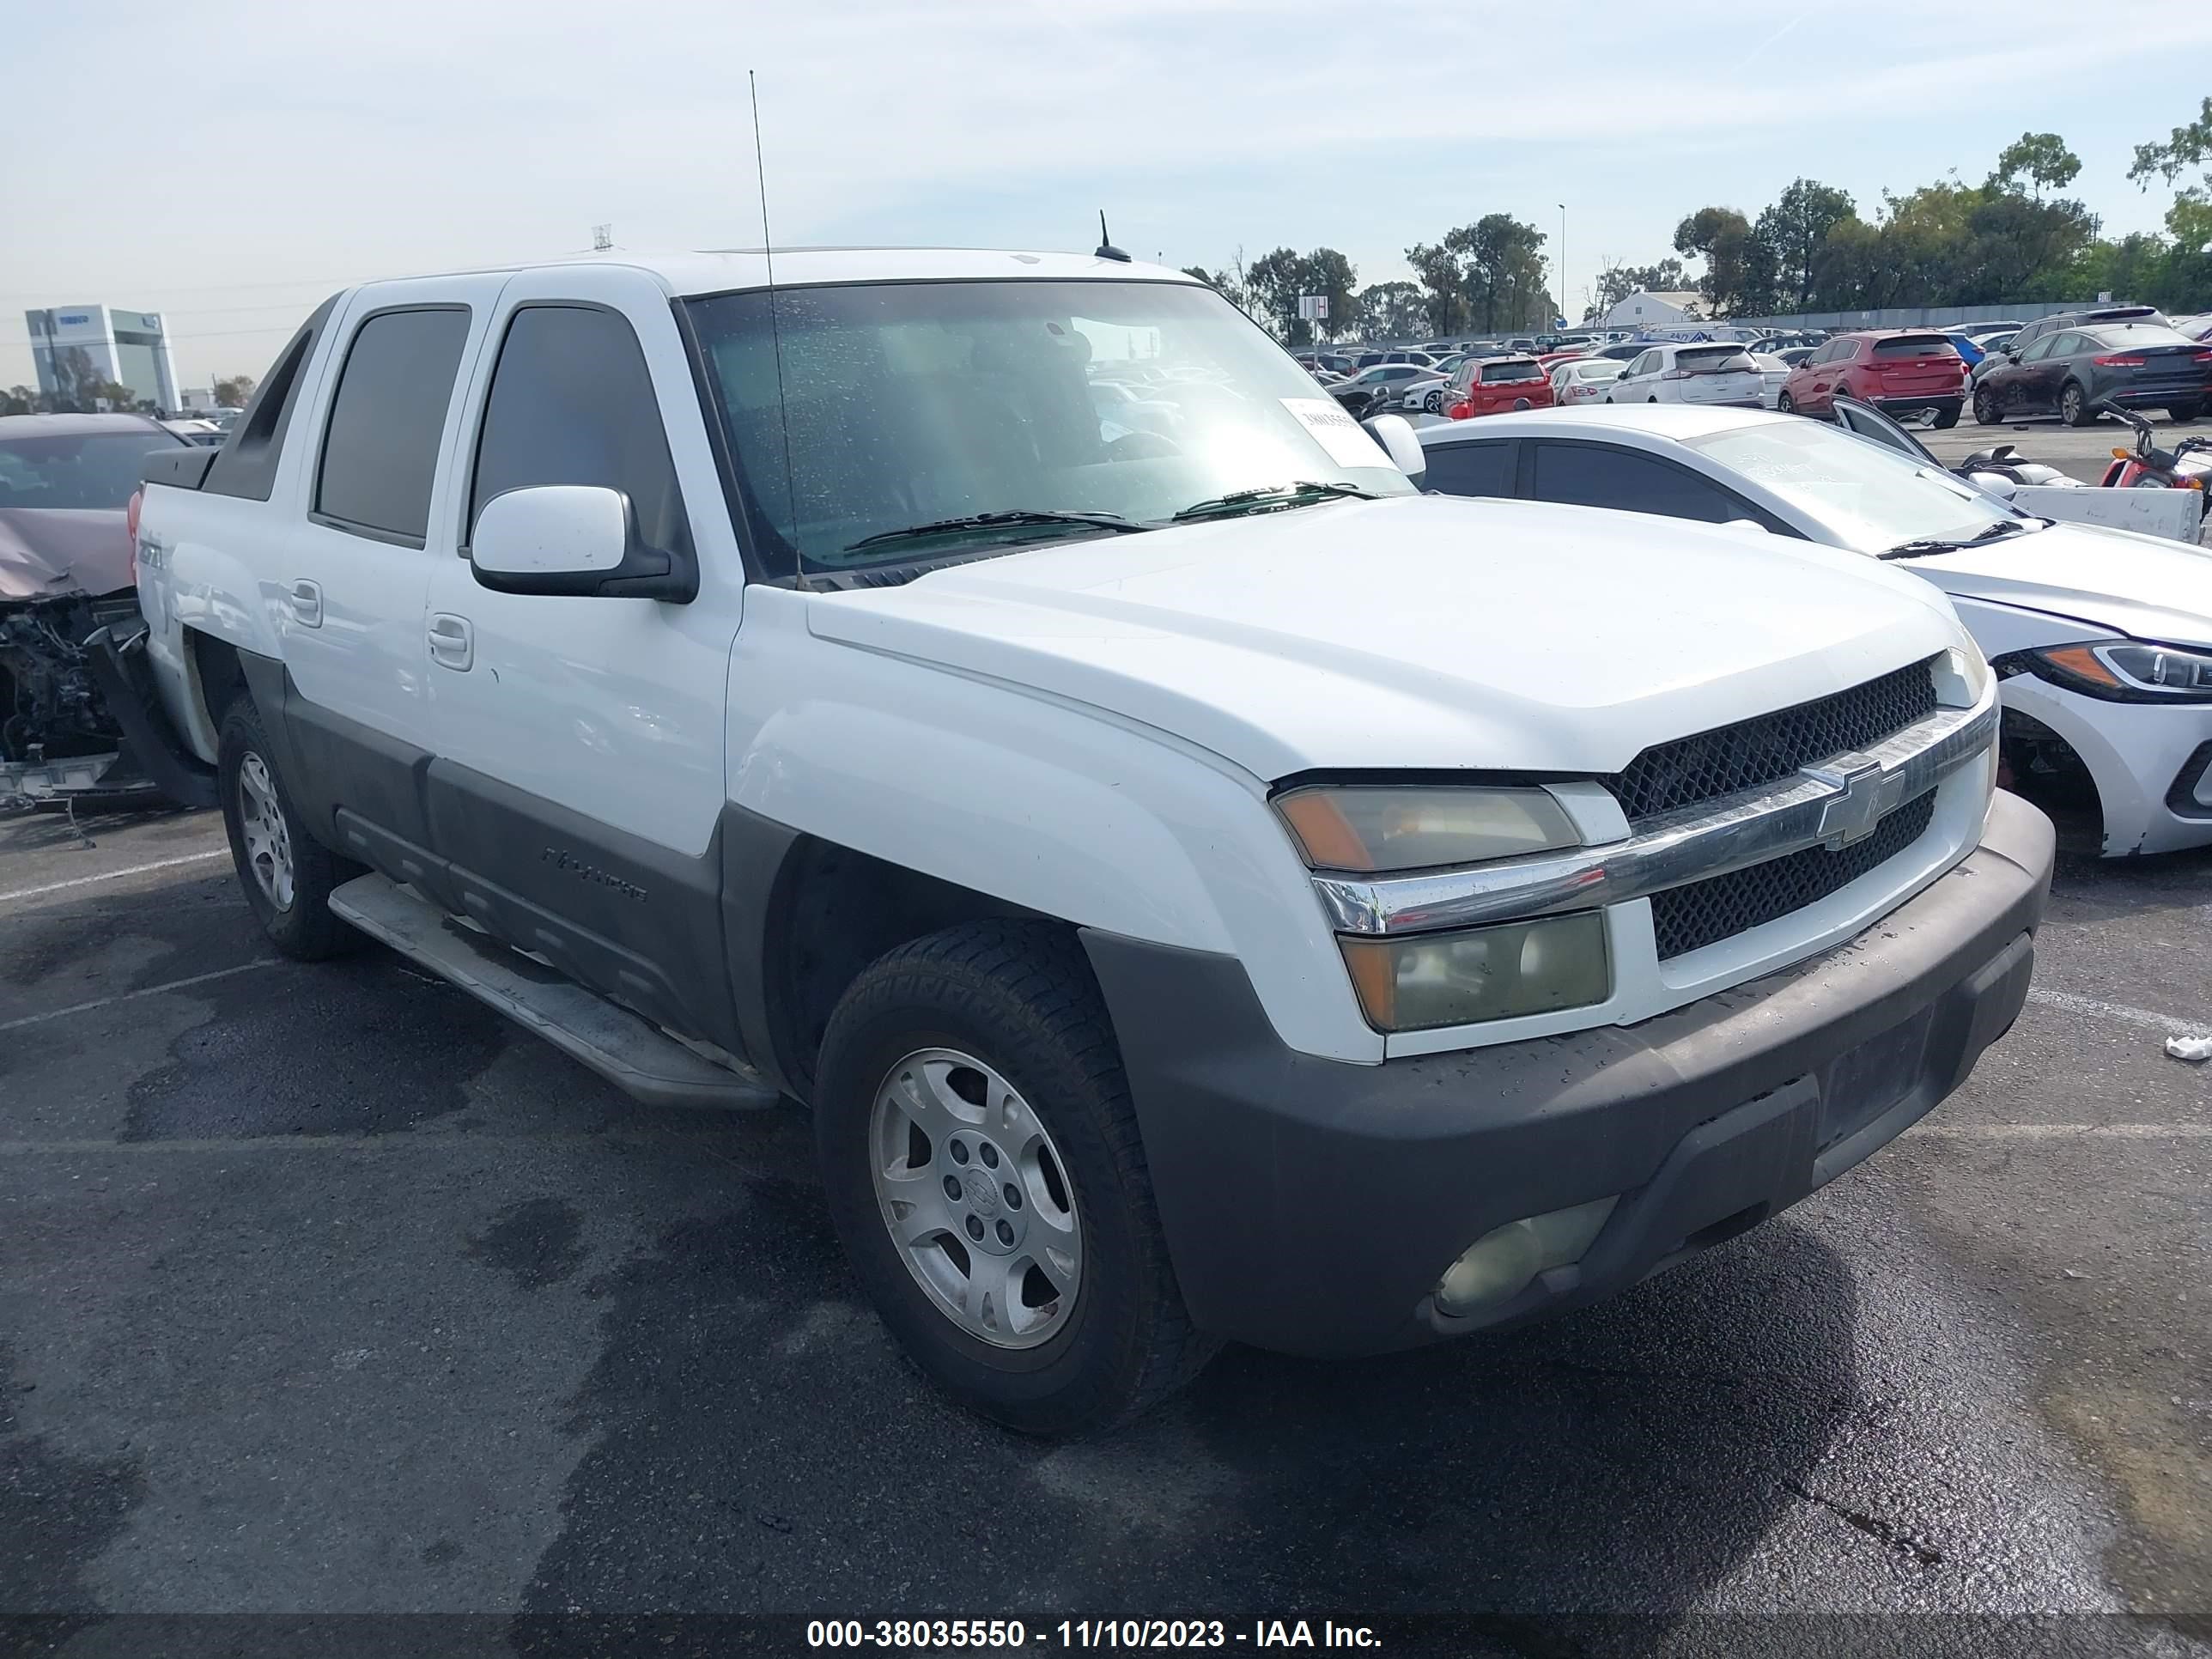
(453, 641)
(306, 599)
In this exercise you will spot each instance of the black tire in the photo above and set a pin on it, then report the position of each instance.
(305, 929)
(1434, 402)
(1019, 997)
(1945, 419)
(1785, 404)
(1986, 412)
(2074, 406)
(2182, 414)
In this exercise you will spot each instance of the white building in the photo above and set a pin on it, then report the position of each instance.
(1642, 310)
(72, 345)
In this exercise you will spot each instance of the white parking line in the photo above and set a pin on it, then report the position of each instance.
(2066, 1131)
(113, 875)
(130, 996)
(2071, 1003)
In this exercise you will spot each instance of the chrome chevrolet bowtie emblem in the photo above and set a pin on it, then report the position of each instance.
(1859, 805)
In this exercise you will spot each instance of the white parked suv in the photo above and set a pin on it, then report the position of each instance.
(2101, 637)
(1201, 887)
(1707, 372)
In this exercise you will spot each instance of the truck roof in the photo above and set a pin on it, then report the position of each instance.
(719, 270)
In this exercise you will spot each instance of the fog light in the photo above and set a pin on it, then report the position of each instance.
(1500, 1265)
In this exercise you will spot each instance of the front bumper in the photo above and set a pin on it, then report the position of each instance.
(1311, 1205)
(2147, 760)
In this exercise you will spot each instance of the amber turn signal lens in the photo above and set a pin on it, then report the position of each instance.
(2083, 660)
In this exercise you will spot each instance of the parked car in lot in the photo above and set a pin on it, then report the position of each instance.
(1378, 386)
(1899, 370)
(1583, 380)
(1707, 373)
(1118, 402)
(2102, 639)
(1773, 375)
(2068, 371)
(77, 720)
(1199, 888)
(1485, 385)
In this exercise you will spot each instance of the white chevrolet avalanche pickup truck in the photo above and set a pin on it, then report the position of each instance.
(1201, 887)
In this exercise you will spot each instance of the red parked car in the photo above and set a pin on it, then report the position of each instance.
(1491, 386)
(1898, 370)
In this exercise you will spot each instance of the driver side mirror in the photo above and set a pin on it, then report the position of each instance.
(578, 540)
(1395, 434)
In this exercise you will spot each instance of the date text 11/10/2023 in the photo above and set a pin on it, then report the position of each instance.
(1013, 1633)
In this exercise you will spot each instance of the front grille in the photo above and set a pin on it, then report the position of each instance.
(1770, 747)
(1685, 918)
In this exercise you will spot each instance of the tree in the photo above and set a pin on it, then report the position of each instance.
(2189, 219)
(1278, 279)
(232, 393)
(1792, 231)
(1438, 273)
(2041, 158)
(20, 400)
(1740, 273)
(1391, 311)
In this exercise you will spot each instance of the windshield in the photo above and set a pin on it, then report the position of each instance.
(1870, 497)
(93, 469)
(909, 403)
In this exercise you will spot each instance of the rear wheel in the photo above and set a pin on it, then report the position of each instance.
(2185, 412)
(984, 1171)
(1945, 419)
(1986, 412)
(2074, 406)
(288, 874)
(1786, 404)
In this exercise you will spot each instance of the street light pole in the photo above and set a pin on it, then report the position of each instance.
(1566, 307)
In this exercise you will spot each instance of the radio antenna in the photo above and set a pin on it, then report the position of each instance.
(775, 340)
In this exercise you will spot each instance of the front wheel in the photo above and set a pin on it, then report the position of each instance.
(1785, 404)
(1434, 402)
(984, 1174)
(288, 874)
(1986, 412)
(2074, 406)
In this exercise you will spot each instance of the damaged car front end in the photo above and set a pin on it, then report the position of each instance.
(78, 723)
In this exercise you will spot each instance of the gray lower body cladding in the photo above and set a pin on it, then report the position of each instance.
(1312, 1206)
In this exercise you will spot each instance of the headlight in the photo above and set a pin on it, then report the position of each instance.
(1373, 829)
(2125, 671)
(1422, 980)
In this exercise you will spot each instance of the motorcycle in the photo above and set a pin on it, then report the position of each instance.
(2146, 466)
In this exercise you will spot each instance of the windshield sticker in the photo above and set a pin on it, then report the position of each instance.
(1344, 438)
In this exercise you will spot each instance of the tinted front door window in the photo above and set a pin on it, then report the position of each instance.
(572, 403)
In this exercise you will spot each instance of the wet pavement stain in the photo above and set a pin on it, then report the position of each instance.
(538, 1241)
(57, 1514)
(344, 1051)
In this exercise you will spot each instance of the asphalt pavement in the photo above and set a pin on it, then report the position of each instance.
(2084, 453)
(322, 1289)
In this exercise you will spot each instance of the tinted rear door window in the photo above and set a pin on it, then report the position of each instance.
(1589, 475)
(1471, 469)
(380, 447)
(572, 403)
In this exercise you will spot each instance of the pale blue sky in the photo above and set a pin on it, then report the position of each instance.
(231, 164)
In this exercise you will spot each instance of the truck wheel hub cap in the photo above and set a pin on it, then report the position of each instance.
(268, 838)
(976, 1198)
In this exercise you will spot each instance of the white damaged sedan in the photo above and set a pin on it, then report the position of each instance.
(2103, 638)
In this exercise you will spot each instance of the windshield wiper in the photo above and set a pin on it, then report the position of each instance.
(1012, 518)
(1270, 496)
(1926, 545)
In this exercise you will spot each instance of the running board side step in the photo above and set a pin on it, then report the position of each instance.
(636, 1056)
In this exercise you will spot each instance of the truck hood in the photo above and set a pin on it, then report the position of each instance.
(1418, 632)
(45, 551)
(2112, 581)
